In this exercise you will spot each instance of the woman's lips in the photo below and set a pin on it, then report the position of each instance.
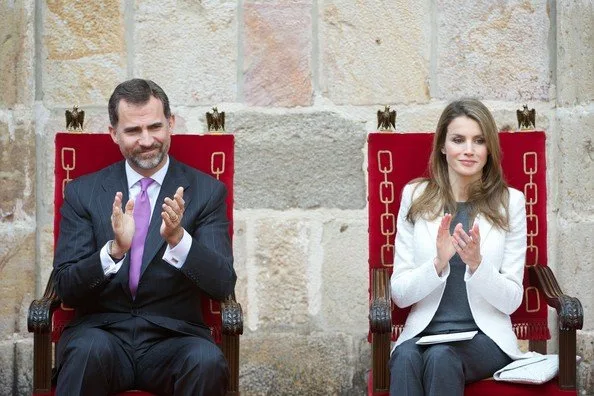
(467, 162)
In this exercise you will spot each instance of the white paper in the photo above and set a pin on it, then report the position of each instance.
(450, 337)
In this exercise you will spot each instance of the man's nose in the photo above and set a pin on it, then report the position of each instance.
(145, 138)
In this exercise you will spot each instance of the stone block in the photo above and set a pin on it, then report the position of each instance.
(17, 276)
(24, 366)
(84, 51)
(277, 53)
(493, 50)
(193, 56)
(17, 52)
(295, 364)
(575, 156)
(585, 374)
(239, 262)
(575, 51)
(375, 51)
(281, 259)
(45, 258)
(311, 160)
(345, 273)
(585, 345)
(423, 118)
(574, 273)
(17, 170)
(6, 367)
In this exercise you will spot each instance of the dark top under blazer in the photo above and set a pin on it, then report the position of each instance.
(166, 296)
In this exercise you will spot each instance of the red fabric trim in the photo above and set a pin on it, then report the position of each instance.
(79, 154)
(394, 159)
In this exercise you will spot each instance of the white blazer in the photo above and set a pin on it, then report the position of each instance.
(495, 289)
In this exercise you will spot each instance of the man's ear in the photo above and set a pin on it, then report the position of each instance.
(112, 132)
(171, 122)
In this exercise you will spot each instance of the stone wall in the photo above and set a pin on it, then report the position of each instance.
(300, 81)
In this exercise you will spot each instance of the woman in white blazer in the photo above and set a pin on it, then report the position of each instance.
(459, 260)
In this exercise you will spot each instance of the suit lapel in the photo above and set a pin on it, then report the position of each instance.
(173, 179)
(115, 181)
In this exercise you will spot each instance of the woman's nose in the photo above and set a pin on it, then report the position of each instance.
(469, 148)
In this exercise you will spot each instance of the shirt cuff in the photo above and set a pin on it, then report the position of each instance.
(177, 255)
(109, 266)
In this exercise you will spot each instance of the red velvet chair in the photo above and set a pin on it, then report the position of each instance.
(394, 159)
(79, 154)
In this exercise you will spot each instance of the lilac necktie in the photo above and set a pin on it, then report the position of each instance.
(142, 218)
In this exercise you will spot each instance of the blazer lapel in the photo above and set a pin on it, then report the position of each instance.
(485, 228)
(173, 179)
(432, 228)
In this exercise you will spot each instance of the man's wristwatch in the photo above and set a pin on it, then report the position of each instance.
(114, 258)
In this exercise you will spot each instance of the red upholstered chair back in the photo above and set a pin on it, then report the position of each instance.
(79, 154)
(397, 158)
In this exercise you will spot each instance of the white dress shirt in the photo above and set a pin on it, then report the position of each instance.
(176, 256)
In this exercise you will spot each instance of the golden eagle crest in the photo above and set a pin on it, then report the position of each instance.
(386, 119)
(526, 118)
(75, 119)
(215, 121)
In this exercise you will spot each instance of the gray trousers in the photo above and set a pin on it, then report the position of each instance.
(443, 369)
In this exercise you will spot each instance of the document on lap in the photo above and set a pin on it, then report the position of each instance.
(439, 338)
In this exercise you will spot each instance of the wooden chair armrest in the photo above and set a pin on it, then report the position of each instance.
(39, 319)
(569, 309)
(570, 317)
(231, 316)
(39, 322)
(380, 307)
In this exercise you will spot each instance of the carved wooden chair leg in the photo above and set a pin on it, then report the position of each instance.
(567, 351)
(380, 356)
(42, 362)
(231, 351)
(232, 320)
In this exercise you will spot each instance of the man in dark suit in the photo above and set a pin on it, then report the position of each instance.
(138, 241)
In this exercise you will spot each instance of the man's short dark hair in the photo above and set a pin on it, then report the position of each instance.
(138, 92)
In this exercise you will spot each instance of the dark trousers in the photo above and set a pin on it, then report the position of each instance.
(443, 369)
(136, 354)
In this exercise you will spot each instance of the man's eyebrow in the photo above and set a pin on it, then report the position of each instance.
(137, 128)
(132, 129)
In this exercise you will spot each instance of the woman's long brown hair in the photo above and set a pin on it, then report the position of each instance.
(488, 195)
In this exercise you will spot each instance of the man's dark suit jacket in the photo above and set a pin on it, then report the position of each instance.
(166, 296)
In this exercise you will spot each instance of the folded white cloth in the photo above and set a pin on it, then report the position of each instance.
(534, 370)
